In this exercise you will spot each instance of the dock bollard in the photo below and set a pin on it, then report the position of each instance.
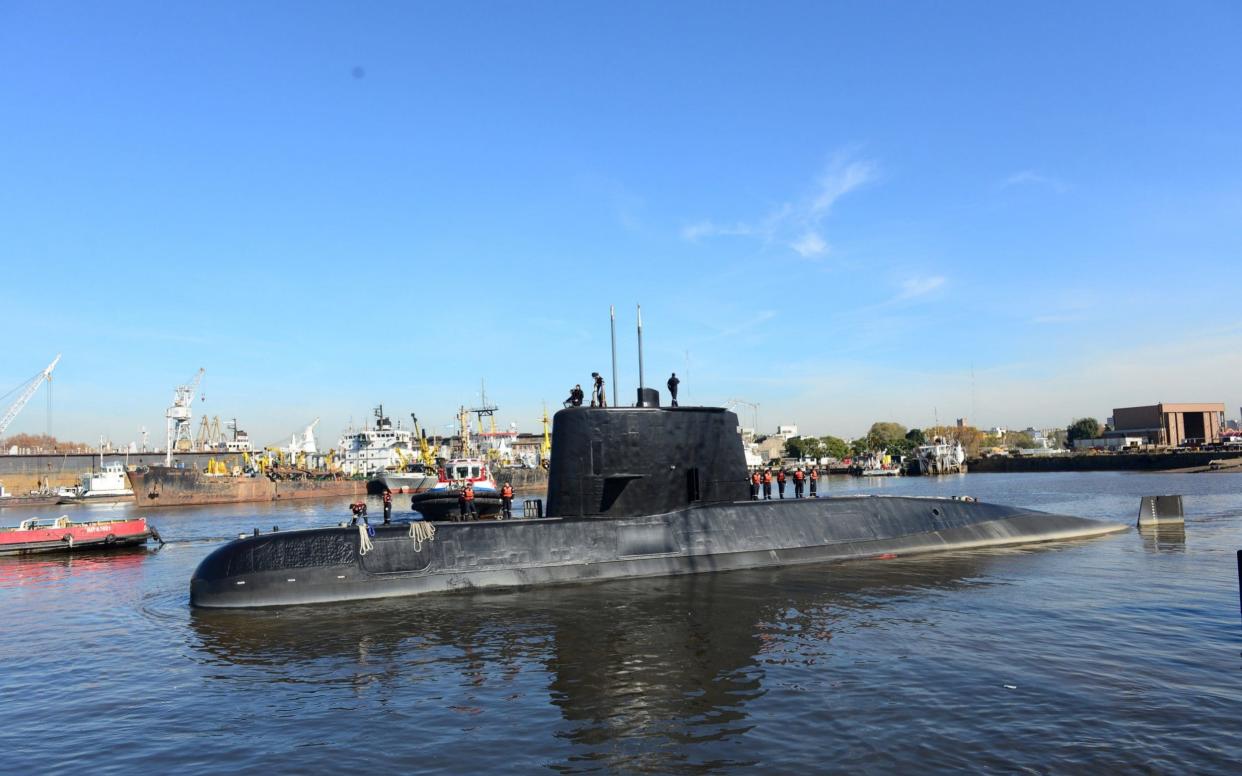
(1160, 510)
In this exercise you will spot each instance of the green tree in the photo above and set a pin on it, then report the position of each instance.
(835, 446)
(1083, 428)
(915, 435)
(804, 447)
(885, 434)
(1019, 439)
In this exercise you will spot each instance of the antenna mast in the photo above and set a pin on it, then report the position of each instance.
(640, 352)
(616, 387)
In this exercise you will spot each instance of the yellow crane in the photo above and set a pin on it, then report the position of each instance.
(424, 449)
(545, 450)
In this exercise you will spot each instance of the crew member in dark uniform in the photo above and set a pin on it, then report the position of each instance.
(467, 495)
(597, 393)
(359, 508)
(673, 382)
(754, 485)
(767, 484)
(780, 481)
(506, 501)
(799, 479)
(814, 477)
(387, 506)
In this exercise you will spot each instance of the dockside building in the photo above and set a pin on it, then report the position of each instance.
(1171, 424)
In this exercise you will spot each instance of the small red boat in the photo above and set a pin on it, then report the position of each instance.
(60, 534)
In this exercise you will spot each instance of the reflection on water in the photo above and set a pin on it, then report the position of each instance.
(1036, 658)
(45, 568)
(667, 666)
(1164, 538)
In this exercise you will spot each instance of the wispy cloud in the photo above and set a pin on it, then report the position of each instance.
(914, 287)
(797, 225)
(809, 245)
(1033, 178)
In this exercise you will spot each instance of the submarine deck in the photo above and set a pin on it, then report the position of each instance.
(323, 565)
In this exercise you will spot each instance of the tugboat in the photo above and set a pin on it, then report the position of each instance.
(637, 491)
(443, 500)
(37, 534)
(105, 486)
(940, 457)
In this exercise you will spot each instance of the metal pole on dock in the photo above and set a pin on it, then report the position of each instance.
(616, 387)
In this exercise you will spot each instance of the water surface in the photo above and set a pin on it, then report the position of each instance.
(1112, 653)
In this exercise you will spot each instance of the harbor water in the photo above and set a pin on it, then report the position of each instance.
(1111, 654)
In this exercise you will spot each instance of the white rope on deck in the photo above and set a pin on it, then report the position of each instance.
(364, 541)
(421, 531)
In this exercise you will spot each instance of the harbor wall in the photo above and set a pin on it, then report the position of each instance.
(73, 464)
(1098, 462)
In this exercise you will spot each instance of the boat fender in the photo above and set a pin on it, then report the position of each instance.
(68, 538)
(110, 539)
(370, 530)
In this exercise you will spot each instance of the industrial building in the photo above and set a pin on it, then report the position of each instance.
(1171, 424)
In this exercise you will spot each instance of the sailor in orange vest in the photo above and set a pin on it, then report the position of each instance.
(814, 476)
(506, 501)
(754, 485)
(467, 495)
(780, 481)
(799, 479)
(767, 484)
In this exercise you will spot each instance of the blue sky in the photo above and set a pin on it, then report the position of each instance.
(838, 211)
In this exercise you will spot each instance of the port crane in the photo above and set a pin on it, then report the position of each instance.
(734, 404)
(179, 416)
(27, 391)
(424, 449)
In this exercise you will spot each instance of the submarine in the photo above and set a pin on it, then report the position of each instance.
(639, 491)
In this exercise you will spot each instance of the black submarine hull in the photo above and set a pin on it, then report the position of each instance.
(326, 565)
(632, 492)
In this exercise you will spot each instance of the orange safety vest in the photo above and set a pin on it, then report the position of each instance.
(468, 493)
(815, 474)
(506, 491)
(767, 478)
(387, 497)
(754, 478)
(780, 476)
(799, 475)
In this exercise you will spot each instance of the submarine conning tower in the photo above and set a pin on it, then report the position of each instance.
(633, 461)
